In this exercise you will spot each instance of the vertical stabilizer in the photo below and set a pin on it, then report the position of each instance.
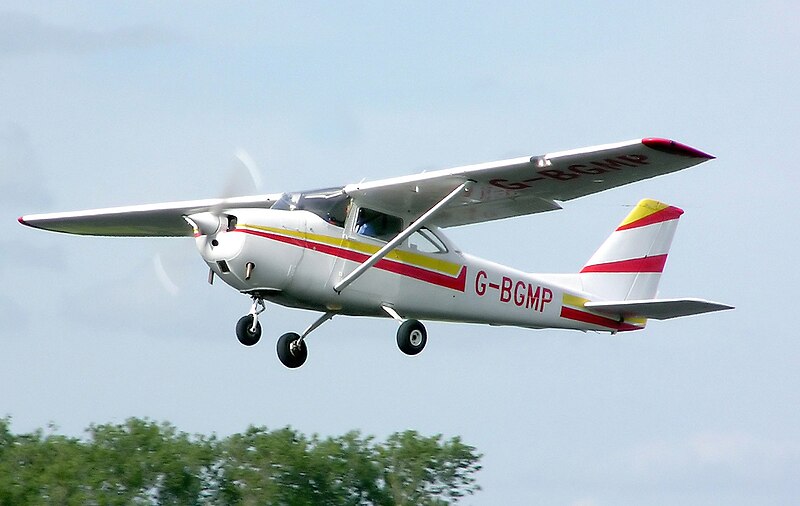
(628, 265)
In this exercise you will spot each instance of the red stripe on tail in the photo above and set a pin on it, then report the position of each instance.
(646, 264)
(666, 214)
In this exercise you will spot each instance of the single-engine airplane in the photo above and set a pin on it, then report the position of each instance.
(377, 248)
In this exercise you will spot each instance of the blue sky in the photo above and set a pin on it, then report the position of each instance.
(136, 102)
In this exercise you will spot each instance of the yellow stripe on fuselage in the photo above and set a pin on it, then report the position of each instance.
(574, 301)
(579, 302)
(407, 257)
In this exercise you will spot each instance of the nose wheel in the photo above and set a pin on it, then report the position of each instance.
(248, 329)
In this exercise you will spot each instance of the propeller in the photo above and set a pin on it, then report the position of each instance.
(162, 274)
(243, 178)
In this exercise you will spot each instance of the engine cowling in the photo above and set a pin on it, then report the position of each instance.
(252, 249)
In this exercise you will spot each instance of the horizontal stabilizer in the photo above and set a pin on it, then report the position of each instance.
(658, 309)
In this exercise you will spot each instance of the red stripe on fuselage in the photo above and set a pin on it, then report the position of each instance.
(646, 264)
(436, 278)
(593, 319)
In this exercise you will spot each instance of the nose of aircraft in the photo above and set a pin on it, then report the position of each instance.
(216, 243)
(207, 223)
(252, 248)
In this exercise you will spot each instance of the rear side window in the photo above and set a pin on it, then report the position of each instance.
(424, 241)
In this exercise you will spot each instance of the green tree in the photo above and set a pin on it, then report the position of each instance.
(427, 470)
(141, 460)
(37, 468)
(144, 462)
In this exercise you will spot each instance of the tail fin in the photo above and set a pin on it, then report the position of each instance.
(628, 265)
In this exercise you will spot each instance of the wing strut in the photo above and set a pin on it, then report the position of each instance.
(399, 238)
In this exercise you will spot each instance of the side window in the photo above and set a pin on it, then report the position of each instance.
(378, 225)
(424, 241)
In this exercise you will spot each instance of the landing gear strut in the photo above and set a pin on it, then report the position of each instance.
(248, 329)
(292, 350)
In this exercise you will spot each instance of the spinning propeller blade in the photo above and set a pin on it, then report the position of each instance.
(243, 178)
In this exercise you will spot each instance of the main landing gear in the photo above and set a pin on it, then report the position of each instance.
(411, 337)
(292, 349)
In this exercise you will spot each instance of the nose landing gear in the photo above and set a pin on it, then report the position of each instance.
(248, 330)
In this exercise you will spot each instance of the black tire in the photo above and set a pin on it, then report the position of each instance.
(411, 337)
(289, 357)
(244, 330)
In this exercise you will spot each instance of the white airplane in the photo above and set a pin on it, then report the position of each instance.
(377, 248)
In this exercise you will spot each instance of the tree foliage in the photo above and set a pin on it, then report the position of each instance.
(144, 462)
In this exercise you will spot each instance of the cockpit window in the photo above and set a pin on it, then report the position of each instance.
(330, 205)
(377, 224)
(331, 208)
(287, 202)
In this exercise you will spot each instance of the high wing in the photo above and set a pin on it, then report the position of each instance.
(149, 220)
(526, 185)
(496, 190)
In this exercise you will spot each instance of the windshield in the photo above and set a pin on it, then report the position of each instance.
(330, 204)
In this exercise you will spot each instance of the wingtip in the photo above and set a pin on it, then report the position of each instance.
(675, 148)
(21, 221)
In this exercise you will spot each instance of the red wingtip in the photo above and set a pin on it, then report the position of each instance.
(675, 148)
(21, 220)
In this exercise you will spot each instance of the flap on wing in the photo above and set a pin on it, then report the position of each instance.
(526, 185)
(149, 220)
(659, 309)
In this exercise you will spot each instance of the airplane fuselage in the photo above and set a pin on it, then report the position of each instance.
(296, 258)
